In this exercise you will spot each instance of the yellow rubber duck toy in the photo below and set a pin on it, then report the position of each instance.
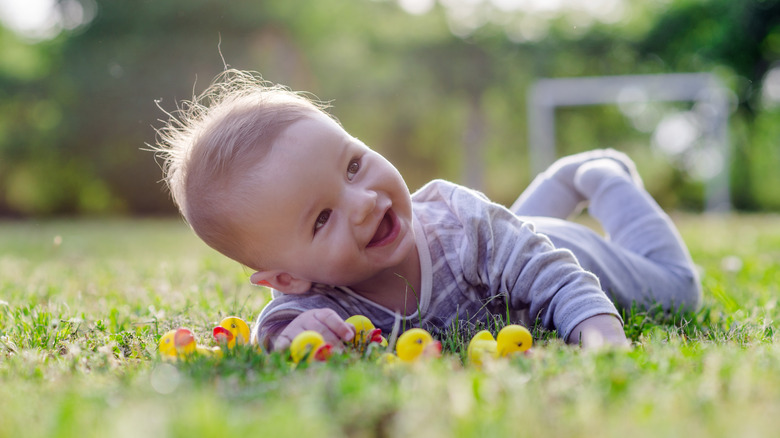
(483, 347)
(365, 332)
(511, 339)
(310, 346)
(167, 345)
(415, 344)
(180, 343)
(232, 331)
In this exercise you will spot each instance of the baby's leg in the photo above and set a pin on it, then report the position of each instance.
(643, 259)
(553, 194)
(653, 257)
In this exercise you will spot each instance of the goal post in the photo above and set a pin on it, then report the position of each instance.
(703, 89)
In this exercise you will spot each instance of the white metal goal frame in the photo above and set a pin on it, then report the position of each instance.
(700, 88)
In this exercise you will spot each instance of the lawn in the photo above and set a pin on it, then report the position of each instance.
(84, 302)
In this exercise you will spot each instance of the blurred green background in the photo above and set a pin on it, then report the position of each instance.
(421, 81)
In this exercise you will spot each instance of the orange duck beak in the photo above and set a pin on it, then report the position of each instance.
(323, 353)
(222, 335)
(375, 336)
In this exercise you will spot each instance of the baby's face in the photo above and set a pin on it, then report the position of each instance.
(329, 209)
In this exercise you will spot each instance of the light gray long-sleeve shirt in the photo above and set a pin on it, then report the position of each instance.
(477, 258)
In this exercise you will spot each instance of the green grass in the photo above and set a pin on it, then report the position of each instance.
(83, 303)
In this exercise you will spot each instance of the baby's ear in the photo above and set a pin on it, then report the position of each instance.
(281, 281)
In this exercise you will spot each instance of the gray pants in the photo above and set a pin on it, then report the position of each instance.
(642, 258)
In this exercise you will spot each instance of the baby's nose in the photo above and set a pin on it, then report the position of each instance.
(365, 203)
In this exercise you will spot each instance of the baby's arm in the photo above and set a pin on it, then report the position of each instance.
(604, 329)
(324, 321)
(507, 255)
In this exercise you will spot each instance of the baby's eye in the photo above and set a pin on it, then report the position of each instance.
(353, 168)
(321, 220)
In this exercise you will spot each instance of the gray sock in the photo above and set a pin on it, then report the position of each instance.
(591, 176)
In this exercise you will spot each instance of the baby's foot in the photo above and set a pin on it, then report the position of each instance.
(565, 169)
(590, 176)
(553, 193)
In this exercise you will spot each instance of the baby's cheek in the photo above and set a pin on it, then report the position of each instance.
(337, 266)
(346, 269)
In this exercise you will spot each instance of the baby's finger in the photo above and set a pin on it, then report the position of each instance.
(333, 340)
(282, 342)
(334, 323)
(286, 337)
(327, 334)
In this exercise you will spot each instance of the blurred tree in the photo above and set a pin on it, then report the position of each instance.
(741, 39)
(104, 80)
(30, 120)
(76, 110)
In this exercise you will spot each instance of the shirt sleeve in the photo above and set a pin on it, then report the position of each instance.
(506, 256)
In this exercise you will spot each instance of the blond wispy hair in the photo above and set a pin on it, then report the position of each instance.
(211, 145)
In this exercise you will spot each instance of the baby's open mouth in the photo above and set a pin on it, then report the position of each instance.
(386, 231)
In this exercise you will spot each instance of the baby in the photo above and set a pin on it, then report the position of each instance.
(266, 177)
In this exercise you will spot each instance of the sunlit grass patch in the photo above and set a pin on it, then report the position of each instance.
(80, 318)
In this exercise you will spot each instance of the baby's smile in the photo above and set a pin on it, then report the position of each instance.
(387, 230)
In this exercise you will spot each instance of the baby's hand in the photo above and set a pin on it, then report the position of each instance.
(324, 321)
(599, 331)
